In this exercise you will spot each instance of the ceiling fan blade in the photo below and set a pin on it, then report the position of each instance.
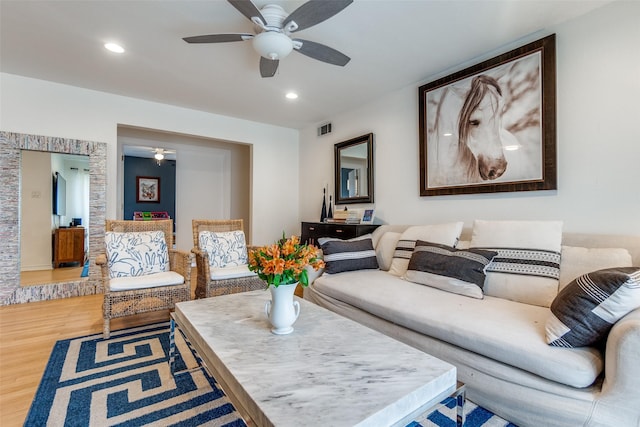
(248, 9)
(268, 67)
(218, 38)
(322, 53)
(315, 11)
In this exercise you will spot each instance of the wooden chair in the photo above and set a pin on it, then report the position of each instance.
(208, 285)
(132, 298)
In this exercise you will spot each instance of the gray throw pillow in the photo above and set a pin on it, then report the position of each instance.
(585, 310)
(348, 255)
(452, 270)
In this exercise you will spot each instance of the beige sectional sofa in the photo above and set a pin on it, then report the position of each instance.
(498, 343)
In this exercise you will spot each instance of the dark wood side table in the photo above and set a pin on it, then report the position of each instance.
(68, 246)
(311, 231)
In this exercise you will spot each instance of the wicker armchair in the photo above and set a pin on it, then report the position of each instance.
(122, 303)
(208, 286)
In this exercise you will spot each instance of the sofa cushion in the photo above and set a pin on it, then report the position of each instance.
(527, 267)
(224, 249)
(132, 254)
(586, 309)
(348, 255)
(166, 278)
(506, 331)
(385, 248)
(443, 234)
(577, 261)
(449, 269)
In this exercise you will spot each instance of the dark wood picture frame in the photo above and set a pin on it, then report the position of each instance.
(515, 142)
(147, 189)
(364, 143)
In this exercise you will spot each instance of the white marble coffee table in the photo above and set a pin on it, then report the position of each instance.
(330, 371)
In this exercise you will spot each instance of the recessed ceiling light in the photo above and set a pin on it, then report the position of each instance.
(292, 95)
(114, 47)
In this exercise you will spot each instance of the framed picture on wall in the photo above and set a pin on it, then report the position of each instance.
(491, 127)
(147, 189)
(368, 216)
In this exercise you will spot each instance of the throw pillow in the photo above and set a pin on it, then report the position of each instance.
(585, 310)
(385, 249)
(449, 269)
(225, 249)
(443, 234)
(527, 266)
(136, 253)
(577, 261)
(348, 255)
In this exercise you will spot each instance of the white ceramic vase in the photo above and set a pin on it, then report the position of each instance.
(282, 310)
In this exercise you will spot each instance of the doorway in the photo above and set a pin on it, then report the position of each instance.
(212, 178)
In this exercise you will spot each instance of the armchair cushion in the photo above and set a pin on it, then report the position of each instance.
(232, 272)
(165, 278)
(135, 254)
(225, 249)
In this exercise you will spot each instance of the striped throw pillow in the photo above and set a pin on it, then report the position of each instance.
(348, 255)
(452, 270)
(585, 310)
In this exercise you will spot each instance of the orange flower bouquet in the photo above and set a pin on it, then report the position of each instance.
(284, 262)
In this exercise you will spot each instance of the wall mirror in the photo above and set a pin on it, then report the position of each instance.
(54, 196)
(354, 170)
(12, 147)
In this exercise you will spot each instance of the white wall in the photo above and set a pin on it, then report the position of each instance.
(43, 108)
(35, 231)
(598, 140)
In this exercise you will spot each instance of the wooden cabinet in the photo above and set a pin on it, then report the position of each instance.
(311, 231)
(68, 246)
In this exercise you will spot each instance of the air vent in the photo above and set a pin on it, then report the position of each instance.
(324, 129)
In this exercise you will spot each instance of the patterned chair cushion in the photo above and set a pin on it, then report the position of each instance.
(136, 253)
(225, 249)
(585, 310)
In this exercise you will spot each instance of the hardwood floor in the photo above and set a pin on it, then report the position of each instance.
(65, 274)
(27, 335)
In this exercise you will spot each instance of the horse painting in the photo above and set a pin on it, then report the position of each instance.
(468, 139)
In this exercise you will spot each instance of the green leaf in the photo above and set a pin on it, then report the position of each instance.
(304, 278)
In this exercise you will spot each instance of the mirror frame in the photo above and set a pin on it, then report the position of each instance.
(364, 139)
(10, 146)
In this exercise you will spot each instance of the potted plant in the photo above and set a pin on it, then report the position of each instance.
(282, 266)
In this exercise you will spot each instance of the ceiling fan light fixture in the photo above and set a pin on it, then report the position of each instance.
(113, 47)
(158, 156)
(272, 45)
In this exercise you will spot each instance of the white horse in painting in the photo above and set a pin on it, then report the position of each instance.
(467, 139)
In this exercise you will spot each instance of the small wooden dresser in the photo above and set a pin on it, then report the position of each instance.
(311, 231)
(68, 246)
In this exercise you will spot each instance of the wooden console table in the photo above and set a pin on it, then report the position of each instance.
(68, 246)
(312, 231)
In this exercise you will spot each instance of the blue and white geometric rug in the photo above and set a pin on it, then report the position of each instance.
(126, 381)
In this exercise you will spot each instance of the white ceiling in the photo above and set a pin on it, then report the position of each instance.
(393, 44)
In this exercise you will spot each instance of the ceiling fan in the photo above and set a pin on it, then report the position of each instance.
(274, 28)
(159, 153)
